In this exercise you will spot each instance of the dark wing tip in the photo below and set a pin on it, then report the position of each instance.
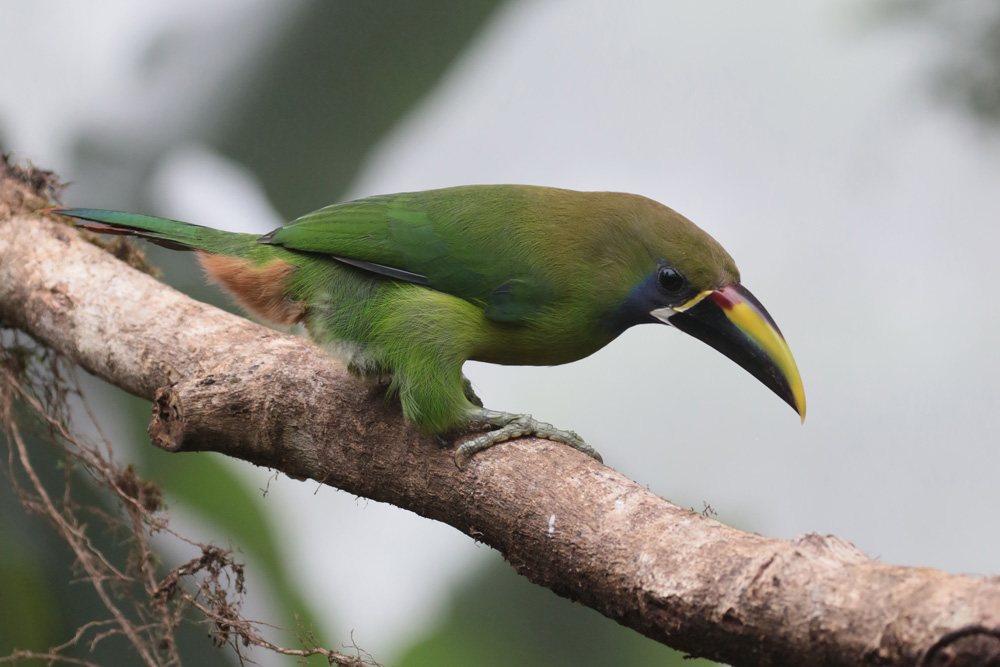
(383, 270)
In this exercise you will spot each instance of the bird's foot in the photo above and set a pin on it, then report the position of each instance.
(507, 426)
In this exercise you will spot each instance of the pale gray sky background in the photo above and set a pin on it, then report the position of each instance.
(861, 212)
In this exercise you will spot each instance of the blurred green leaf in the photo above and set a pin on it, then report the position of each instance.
(338, 80)
(29, 613)
(497, 618)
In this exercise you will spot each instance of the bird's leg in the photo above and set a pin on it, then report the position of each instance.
(507, 425)
(437, 397)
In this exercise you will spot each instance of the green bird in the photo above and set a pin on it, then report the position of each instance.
(409, 286)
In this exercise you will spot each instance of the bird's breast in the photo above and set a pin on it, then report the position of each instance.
(540, 343)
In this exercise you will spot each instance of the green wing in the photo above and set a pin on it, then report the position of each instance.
(458, 240)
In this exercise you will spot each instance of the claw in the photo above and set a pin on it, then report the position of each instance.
(507, 426)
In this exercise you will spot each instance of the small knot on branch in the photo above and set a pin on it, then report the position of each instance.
(167, 427)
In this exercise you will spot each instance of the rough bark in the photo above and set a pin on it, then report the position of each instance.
(222, 383)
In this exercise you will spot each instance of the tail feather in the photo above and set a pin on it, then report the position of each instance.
(256, 274)
(161, 231)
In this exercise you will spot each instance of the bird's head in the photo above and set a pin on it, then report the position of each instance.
(690, 282)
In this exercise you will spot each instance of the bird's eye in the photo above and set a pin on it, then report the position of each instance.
(670, 280)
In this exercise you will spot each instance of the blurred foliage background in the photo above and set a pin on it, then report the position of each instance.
(967, 32)
(297, 97)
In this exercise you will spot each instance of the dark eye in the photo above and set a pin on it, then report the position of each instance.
(670, 280)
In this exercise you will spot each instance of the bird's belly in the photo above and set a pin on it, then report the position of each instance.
(538, 346)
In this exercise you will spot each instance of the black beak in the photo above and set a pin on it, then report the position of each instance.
(735, 323)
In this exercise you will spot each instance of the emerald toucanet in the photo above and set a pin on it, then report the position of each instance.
(412, 285)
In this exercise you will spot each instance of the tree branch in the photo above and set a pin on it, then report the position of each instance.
(222, 383)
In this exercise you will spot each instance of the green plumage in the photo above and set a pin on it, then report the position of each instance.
(412, 285)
